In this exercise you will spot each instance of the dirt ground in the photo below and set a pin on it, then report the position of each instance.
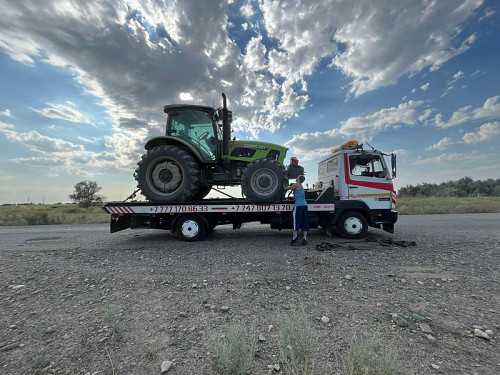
(74, 297)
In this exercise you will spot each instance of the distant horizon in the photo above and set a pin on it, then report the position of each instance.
(141, 198)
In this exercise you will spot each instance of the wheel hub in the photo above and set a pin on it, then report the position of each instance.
(190, 228)
(353, 225)
(167, 177)
(264, 182)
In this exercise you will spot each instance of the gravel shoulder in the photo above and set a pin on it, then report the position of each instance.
(72, 294)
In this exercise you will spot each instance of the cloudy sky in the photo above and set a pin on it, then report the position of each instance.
(83, 83)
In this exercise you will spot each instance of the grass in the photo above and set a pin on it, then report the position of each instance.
(111, 319)
(234, 351)
(296, 342)
(370, 356)
(51, 214)
(447, 205)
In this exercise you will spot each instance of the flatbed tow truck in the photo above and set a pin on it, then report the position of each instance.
(354, 192)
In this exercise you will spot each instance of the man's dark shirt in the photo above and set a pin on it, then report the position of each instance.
(294, 171)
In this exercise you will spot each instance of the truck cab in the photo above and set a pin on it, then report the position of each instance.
(360, 179)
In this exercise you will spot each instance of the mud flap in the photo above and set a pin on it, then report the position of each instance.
(119, 223)
(388, 228)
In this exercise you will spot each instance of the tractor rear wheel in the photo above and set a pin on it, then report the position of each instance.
(262, 181)
(168, 174)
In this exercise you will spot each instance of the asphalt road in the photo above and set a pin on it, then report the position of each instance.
(450, 229)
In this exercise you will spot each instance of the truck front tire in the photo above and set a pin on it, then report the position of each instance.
(352, 224)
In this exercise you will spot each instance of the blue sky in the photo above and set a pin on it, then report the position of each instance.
(83, 84)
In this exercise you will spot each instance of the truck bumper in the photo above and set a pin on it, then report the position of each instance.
(384, 219)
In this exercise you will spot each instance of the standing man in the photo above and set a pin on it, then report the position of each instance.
(294, 170)
(299, 211)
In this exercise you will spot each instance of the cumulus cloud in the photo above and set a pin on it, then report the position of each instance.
(382, 46)
(443, 144)
(363, 128)
(425, 87)
(67, 156)
(486, 132)
(88, 140)
(453, 158)
(5, 126)
(6, 113)
(42, 143)
(450, 84)
(63, 112)
(247, 10)
(490, 109)
(137, 56)
(488, 12)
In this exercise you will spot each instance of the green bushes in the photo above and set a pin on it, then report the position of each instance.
(234, 350)
(449, 205)
(296, 342)
(50, 215)
(370, 356)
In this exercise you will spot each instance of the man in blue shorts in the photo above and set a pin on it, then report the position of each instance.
(299, 210)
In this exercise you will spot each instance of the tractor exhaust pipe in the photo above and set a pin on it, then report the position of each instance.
(226, 129)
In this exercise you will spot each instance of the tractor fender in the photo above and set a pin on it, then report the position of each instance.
(351, 205)
(168, 140)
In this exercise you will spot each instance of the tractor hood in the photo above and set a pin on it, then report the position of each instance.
(261, 149)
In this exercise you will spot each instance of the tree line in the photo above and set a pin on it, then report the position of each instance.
(464, 187)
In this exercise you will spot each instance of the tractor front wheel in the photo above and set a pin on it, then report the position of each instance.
(168, 174)
(262, 181)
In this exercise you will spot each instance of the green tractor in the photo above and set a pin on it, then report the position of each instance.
(197, 152)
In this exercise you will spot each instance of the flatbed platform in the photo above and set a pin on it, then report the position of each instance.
(191, 221)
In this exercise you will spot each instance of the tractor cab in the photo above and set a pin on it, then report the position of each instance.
(197, 125)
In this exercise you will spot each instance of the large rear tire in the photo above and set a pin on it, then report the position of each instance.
(168, 174)
(262, 181)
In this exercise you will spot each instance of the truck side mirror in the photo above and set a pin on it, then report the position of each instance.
(393, 165)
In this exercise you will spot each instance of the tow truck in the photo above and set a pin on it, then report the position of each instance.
(354, 191)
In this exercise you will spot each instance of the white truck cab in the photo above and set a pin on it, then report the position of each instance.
(361, 182)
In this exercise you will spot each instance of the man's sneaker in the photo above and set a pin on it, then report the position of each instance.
(304, 242)
(294, 241)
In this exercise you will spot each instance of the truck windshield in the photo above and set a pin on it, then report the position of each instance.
(197, 128)
(367, 166)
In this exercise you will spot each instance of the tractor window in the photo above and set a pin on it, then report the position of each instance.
(367, 166)
(197, 128)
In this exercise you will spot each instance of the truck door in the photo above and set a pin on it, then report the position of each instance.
(368, 180)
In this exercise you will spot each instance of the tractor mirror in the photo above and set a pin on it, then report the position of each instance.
(229, 116)
(393, 165)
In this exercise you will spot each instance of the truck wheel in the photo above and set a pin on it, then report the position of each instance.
(191, 228)
(202, 192)
(262, 181)
(352, 224)
(168, 174)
